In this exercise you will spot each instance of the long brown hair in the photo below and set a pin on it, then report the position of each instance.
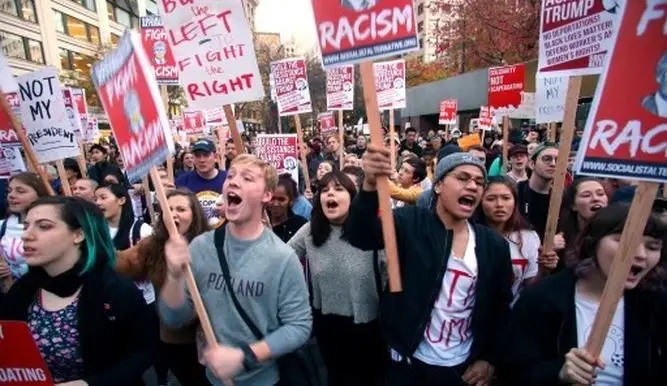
(33, 181)
(155, 259)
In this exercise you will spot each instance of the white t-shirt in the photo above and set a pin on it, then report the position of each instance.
(612, 351)
(524, 260)
(12, 246)
(145, 286)
(448, 339)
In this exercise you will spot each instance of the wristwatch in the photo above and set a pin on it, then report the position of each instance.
(249, 357)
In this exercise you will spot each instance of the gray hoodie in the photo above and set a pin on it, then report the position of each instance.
(268, 281)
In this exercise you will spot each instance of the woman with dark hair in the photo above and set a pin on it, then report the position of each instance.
(580, 202)
(23, 190)
(91, 326)
(125, 230)
(178, 351)
(499, 211)
(553, 318)
(345, 287)
(283, 220)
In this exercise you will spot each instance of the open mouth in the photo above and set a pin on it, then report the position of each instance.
(28, 251)
(331, 204)
(233, 200)
(596, 207)
(636, 270)
(467, 201)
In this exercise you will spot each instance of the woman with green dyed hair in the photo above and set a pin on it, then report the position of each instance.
(91, 326)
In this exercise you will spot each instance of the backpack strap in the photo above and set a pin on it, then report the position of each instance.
(3, 227)
(135, 232)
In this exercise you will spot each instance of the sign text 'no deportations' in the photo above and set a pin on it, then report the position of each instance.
(390, 84)
(351, 31)
(576, 35)
(280, 151)
(626, 131)
(44, 116)
(158, 50)
(340, 88)
(214, 51)
(130, 97)
(292, 89)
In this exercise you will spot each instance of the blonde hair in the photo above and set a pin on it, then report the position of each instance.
(270, 174)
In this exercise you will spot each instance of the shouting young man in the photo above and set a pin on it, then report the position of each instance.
(265, 277)
(446, 327)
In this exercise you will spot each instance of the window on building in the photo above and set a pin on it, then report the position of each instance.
(421, 42)
(420, 9)
(94, 34)
(24, 9)
(115, 39)
(90, 4)
(124, 12)
(78, 29)
(420, 26)
(18, 47)
(81, 66)
(151, 7)
(59, 21)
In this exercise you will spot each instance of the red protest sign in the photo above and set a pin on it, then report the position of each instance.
(130, 97)
(505, 87)
(351, 31)
(280, 150)
(485, 120)
(575, 36)
(7, 134)
(72, 113)
(626, 131)
(340, 88)
(154, 37)
(79, 99)
(21, 363)
(291, 84)
(327, 123)
(448, 110)
(194, 121)
(390, 84)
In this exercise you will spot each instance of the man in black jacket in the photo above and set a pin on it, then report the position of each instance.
(101, 166)
(446, 326)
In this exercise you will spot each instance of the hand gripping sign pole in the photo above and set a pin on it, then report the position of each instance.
(33, 163)
(573, 88)
(386, 215)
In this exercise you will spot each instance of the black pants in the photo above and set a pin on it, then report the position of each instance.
(418, 373)
(183, 362)
(354, 354)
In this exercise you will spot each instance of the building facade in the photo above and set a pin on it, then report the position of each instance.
(435, 20)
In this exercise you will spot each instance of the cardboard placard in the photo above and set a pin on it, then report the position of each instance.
(72, 112)
(292, 89)
(506, 90)
(626, 131)
(194, 121)
(131, 99)
(15, 159)
(281, 151)
(448, 110)
(158, 50)
(390, 84)
(575, 36)
(44, 116)
(5, 165)
(79, 100)
(214, 51)
(21, 363)
(7, 134)
(550, 92)
(351, 31)
(340, 88)
(327, 124)
(485, 119)
(468, 141)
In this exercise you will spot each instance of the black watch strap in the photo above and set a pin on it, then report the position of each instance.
(249, 357)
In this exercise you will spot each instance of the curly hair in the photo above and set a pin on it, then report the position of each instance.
(608, 221)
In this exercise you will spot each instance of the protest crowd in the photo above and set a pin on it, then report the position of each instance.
(357, 255)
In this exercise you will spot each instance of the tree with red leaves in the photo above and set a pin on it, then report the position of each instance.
(484, 33)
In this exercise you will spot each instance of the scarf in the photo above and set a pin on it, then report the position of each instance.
(64, 285)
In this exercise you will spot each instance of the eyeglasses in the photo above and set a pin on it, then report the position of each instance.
(465, 178)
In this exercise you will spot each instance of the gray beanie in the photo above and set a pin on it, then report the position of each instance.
(453, 161)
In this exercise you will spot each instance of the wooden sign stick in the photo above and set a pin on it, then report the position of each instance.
(386, 214)
(640, 209)
(392, 133)
(302, 151)
(62, 174)
(170, 168)
(190, 282)
(222, 144)
(233, 130)
(572, 98)
(553, 127)
(149, 197)
(29, 153)
(506, 138)
(341, 138)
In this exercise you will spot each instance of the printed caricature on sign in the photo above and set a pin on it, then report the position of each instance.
(7, 134)
(340, 88)
(21, 363)
(351, 31)
(130, 96)
(279, 150)
(550, 93)
(485, 119)
(156, 45)
(506, 93)
(576, 35)
(194, 121)
(5, 165)
(448, 110)
(626, 131)
(327, 124)
(390, 84)
(44, 116)
(72, 112)
(92, 128)
(292, 90)
(213, 46)
(15, 158)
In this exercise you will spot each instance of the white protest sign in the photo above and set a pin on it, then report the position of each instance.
(214, 51)
(44, 116)
(72, 112)
(5, 165)
(526, 109)
(550, 93)
(292, 89)
(7, 80)
(13, 155)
